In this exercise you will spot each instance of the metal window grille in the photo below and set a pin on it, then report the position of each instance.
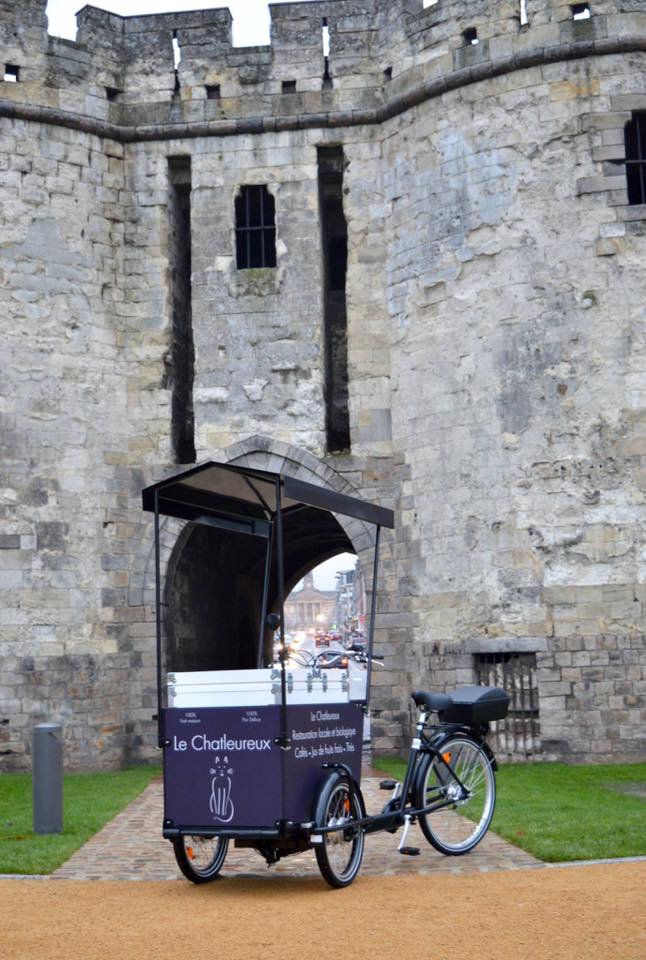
(518, 734)
(635, 138)
(255, 228)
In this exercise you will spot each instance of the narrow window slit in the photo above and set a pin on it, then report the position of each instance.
(177, 57)
(523, 13)
(325, 39)
(325, 33)
(388, 74)
(177, 52)
(334, 236)
(181, 354)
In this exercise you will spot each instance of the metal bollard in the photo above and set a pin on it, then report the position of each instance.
(47, 778)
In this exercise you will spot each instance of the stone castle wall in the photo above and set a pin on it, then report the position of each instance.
(494, 331)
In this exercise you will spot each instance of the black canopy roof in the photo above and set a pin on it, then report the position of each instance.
(248, 496)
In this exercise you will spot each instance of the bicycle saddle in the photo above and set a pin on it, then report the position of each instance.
(431, 701)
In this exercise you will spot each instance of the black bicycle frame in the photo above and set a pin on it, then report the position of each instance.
(396, 816)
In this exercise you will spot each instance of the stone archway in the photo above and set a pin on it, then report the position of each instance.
(213, 623)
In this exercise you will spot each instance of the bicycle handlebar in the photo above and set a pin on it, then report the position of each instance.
(308, 659)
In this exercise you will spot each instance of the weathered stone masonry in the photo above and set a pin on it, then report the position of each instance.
(495, 339)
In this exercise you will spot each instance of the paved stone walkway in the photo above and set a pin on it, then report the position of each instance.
(131, 847)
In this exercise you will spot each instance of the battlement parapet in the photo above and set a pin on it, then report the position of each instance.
(382, 57)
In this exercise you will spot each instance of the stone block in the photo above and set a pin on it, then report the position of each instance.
(627, 102)
(597, 184)
(554, 688)
(10, 541)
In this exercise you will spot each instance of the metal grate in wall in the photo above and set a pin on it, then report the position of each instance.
(255, 228)
(635, 140)
(518, 735)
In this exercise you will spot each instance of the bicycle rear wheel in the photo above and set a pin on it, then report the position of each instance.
(456, 829)
(340, 852)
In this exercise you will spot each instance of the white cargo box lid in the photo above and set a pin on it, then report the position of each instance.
(252, 688)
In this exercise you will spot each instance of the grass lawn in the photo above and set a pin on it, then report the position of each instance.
(89, 801)
(558, 812)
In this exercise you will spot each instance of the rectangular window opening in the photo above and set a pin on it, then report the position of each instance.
(581, 11)
(213, 91)
(334, 238)
(470, 36)
(523, 13)
(181, 357)
(388, 74)
(11, 73)
(635, 142)
(516, 736)
(289, 86)
(255, 218)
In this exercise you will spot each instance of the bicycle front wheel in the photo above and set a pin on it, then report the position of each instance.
(200, 858)
(457, 828)
(340, 853)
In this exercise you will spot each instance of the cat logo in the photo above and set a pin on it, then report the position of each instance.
(220, 802)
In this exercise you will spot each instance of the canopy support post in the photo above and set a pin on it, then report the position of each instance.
(160, 717)
(265, 596)
(284, 739)
(373, 611)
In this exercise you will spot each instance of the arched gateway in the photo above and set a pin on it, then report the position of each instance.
(213, 580)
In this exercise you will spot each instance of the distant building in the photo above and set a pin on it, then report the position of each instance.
(309, 608)
(344, 607)
(350, 609)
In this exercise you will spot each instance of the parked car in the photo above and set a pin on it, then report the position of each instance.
(334, 660)
(356, 641)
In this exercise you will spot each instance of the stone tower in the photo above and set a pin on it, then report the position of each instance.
(409, 268)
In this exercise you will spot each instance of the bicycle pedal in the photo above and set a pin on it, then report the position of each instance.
(388, 784)
(410, 851)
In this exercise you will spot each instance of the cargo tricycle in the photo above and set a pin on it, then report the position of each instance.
(262, 744)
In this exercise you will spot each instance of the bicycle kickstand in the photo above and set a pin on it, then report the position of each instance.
(402, 848)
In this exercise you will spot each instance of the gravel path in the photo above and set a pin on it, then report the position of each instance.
(586, 913)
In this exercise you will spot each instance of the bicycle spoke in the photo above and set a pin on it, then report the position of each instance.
(473, 784)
